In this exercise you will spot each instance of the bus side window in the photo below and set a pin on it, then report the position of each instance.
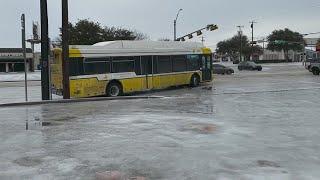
(179, 63)
(76, 66)
(146, 65)
(164, 64)
(123, 64)
(96, 66)
(193, 62)
(154, 64)
(137, 62)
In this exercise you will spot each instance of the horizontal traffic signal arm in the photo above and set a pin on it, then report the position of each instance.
(210, 27)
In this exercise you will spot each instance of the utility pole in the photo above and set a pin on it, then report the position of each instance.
(202, 40)
(65, 50)
(175, 25)
(34, 40)
(45, 85)
(240, 34)
(23, 31)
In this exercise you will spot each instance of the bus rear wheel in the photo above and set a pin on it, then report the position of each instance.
(195, 81)
(114, 89)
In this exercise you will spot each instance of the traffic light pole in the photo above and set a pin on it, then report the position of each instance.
(175, 30)
(65, 50)
(45, 85)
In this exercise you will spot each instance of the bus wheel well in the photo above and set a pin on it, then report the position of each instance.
(114, 82)
(196, 75)
(195, 80)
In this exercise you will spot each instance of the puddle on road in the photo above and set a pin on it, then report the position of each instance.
(28, 161)
(117, 175)
(200, 128)
(265, 163)
(46, 122)
(61, 119)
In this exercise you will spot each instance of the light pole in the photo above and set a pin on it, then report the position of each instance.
(175, 24)
(23, 31)
(240, 34)
(252, 25)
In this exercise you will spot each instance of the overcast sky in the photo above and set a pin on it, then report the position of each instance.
(155, 17)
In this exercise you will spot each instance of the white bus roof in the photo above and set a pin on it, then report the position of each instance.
(139, 47)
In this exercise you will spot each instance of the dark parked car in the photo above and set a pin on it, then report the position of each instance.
(249, 65)
(236, 61)
(220, 69)
(315, 68)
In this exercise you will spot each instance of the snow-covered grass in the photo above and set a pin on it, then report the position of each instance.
(12, 77)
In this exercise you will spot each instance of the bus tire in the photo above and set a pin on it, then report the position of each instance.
(114, 89)
(195, 80)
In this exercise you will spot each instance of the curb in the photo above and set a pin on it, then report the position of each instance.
(66, 101)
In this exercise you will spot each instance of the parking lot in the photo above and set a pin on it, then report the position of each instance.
(250, 125)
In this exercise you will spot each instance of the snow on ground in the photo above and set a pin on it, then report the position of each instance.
(11, 77)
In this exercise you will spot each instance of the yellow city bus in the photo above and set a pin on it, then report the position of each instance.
(121, 67)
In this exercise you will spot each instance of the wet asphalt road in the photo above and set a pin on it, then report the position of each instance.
(251, 125)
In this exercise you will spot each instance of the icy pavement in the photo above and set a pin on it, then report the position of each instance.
(252, 125)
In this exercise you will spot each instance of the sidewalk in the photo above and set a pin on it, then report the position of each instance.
(14, 77)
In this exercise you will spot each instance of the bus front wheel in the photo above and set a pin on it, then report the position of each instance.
(114, 89)
(195, 80)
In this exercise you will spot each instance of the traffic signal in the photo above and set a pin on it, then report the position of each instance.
(199, 33)
(212, 27)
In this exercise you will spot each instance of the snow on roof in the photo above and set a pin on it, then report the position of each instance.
(144, 45)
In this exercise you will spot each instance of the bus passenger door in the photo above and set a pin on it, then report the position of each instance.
(206, 67)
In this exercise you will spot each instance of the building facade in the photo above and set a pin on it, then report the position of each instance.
(11, 60)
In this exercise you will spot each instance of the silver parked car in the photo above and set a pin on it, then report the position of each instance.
(221, 69)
